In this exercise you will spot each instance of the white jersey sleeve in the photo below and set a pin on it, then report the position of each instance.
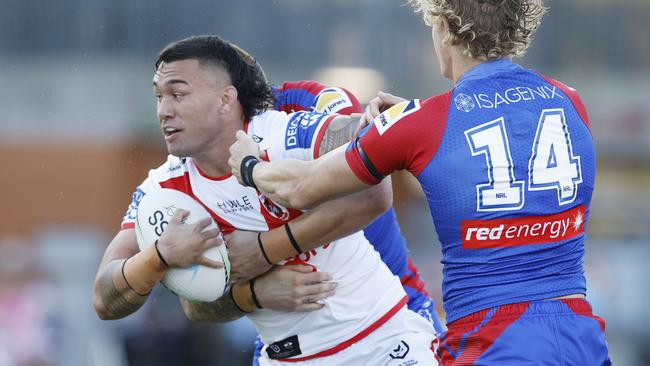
(290, 136)
(172, 167)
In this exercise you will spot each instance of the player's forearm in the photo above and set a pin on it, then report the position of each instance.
(123, 285)
(113, 298)
(343, 216)
(223, 309)
(331, 220)
(279, 180)
(305, 184)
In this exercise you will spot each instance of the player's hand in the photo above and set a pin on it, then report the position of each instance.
(246, 259)
(243, 147)
(376, 106)
(183, 244)
(294, 288)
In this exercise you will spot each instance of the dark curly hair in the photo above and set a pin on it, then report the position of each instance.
(486, 29)
(246, 75)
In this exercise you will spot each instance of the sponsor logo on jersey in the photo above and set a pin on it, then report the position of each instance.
(478, 234)
(274, 210)
(132, 211)
(241, 204)
(464, 102)
(331, 100)
(301, 129)
(391, 116)
(285, 348)
(509, 96)
(174, 168)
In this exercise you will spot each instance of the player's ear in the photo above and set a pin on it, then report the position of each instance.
(228, 98)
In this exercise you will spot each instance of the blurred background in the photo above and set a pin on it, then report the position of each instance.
(79, 132)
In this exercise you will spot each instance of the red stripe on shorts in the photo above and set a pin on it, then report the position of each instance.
(477, 343)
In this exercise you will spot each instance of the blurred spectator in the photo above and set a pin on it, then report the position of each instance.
(26, 325)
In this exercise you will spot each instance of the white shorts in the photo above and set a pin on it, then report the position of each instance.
(404, 340)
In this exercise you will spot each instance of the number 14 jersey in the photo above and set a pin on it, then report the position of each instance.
(507, 164)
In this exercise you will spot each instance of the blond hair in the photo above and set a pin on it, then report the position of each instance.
(486, 29)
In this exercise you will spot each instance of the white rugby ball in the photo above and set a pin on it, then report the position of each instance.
(196, 282)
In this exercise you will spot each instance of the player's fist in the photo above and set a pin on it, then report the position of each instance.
(244, 146)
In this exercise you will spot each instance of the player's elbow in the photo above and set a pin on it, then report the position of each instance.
(100, 309)
(378, 199)
(382, 197)
(191, 313)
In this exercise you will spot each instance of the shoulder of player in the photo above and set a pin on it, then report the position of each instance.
(172, 167)
(268, 128)
(422, 114)
(438, 103)
(267, 121)
(573, 96)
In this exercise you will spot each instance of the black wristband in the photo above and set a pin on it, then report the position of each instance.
(255, 301)
(232, 297)
(155, 244)
(259, 242)
(293, 241)
(246, 170)
(127, 282)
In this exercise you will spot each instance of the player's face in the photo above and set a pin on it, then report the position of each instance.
(443, 51)
(188, 107)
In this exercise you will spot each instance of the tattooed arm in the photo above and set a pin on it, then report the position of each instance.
(114, 296)
(339, 132)
(221, 310)
(126, 276)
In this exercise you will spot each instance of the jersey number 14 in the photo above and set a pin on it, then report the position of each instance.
(552, 164)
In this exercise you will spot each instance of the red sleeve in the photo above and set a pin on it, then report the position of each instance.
(406, 136)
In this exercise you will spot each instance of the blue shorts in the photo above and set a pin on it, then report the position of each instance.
(550, 332)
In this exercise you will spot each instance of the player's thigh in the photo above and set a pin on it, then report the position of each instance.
(407, 339)
(535, 333)
(582, 337)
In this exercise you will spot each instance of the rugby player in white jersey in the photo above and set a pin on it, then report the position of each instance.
(207, 89)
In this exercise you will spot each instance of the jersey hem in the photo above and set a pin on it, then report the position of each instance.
(453, 317)
(364, 333)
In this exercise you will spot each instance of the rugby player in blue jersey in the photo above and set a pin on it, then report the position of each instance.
(507, 164)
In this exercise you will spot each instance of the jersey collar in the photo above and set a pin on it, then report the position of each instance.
(487, 68)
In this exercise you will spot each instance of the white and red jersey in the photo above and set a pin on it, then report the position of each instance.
(367, 294)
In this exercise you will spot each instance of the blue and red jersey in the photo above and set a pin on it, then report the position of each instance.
(384, 233)
(307, 95)
(507, 163)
